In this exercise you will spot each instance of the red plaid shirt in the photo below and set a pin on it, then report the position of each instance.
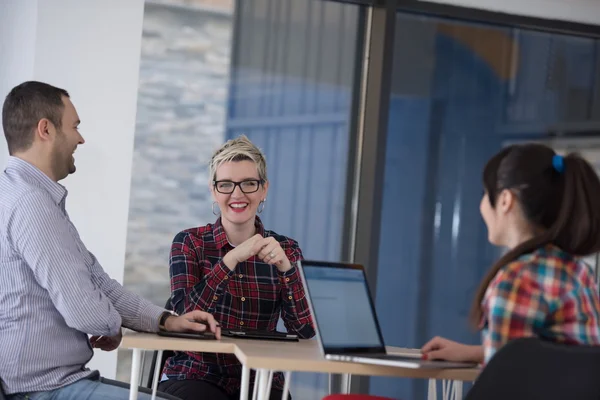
(252, 296)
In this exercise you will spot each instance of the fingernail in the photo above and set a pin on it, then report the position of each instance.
(424, 356)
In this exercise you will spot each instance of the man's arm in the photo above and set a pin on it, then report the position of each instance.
(41, 233)
(137, 313)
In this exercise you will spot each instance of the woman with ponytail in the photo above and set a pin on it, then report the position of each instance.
(545, 209)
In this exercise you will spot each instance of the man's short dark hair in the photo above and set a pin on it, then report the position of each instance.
(24, 107)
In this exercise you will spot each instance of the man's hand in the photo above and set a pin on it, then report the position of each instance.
(106, 343)
(198, 321)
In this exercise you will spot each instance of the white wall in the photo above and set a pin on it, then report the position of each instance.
(583, 11)
(17, 49)
(91, 49)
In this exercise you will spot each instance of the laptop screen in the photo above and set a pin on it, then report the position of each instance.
(342, 307)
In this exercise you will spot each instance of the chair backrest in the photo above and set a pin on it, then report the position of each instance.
(535, 369)
(165, 355)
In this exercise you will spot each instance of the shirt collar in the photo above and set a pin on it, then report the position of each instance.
(221, 237)
(34, 175)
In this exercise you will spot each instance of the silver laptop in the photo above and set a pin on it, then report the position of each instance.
(345, 319)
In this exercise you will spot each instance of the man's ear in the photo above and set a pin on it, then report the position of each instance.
(44, 129)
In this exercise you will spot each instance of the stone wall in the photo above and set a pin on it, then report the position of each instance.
(184, 77)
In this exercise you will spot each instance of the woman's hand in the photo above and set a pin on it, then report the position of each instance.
(272, 253)
(267, 249)
(244, 251)
(439, 348)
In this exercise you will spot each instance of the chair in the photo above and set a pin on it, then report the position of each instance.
(165, 354)
(535, 369)
(354, 397)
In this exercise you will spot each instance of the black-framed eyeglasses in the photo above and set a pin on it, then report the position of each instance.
(247, 186)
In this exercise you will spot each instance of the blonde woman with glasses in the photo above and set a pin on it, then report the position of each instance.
(237, 270)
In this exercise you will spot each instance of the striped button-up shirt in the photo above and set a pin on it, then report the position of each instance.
(547, 294)
(53, 291)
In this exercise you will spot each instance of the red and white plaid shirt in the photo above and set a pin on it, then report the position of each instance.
(252, 296)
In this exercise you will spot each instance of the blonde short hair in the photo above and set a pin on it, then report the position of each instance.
(238, 149)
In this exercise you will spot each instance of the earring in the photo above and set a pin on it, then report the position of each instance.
(261, 206)
(213, 209)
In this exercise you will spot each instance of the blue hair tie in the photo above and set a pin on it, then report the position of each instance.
(558, 162)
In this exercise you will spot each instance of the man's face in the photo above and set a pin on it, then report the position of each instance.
(66, 141)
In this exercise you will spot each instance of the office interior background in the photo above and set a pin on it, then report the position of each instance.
(376, 118)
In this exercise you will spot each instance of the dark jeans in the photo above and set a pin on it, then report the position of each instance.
(201, 390)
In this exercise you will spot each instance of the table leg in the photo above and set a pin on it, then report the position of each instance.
(346, 378)
(263, 383)
(157, 370)
(245, 387)
(458, 390)
(269, 383)
(143, 364)
(286, 385)
(256, 384)
(136, 365)
(447, 389)
(432, 390)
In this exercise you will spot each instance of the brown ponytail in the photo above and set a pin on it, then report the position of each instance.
(559, 196)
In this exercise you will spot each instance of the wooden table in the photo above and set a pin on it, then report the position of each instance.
(269, 356)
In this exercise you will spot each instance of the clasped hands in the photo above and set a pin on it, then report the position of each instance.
(267, 249)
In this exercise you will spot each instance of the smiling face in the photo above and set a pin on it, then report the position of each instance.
(66, 140)
(238, 190)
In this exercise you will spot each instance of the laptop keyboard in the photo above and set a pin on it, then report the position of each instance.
(390, 357)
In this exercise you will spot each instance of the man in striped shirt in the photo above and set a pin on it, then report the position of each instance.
(53, 291)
